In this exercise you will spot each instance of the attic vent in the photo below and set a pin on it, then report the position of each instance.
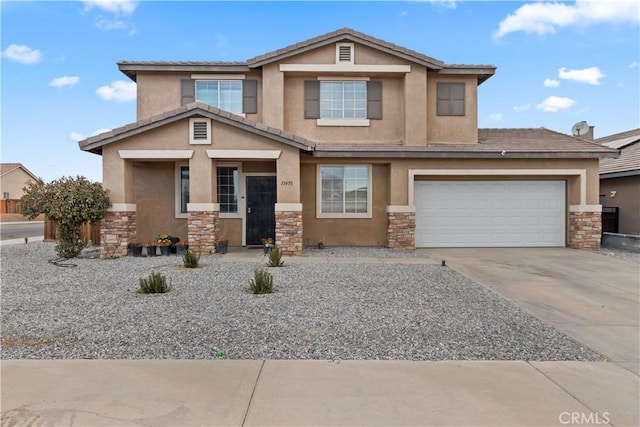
(200, 131)
(344, 52)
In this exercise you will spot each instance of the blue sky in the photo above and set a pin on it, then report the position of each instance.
(558, 62)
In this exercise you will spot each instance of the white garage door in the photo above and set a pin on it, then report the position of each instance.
(489, 213)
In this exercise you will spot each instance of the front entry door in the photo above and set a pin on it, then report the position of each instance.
(261, 217)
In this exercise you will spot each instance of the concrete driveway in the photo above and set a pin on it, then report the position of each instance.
(590, 297)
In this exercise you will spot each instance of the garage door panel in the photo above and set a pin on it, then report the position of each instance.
(489, 213)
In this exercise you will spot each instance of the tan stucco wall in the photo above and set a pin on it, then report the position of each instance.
(155, 201)
(627, 198)
(231, 230)
(13, 182)
(342, 232)
(453, 128)
(161, 92)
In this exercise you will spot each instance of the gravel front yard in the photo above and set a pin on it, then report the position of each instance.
(320, 311)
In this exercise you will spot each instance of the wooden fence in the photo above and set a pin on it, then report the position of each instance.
(10, 206)
(87, 232)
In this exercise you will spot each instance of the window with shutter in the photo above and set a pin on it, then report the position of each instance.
(451, 99)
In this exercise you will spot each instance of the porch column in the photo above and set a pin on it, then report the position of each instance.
(203, 227)
(585, 226)
(118, 228)
(401, 227)
(289, 228)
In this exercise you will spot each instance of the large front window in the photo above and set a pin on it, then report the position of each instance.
(224, 94)
(345, 191)
(228, 189)
(343, 100)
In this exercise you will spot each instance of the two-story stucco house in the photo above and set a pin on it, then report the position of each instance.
(343, 138)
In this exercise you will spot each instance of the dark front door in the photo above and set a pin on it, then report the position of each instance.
(261, 200)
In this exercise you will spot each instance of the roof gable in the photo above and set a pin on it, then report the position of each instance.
(6, 168)
(195, 109)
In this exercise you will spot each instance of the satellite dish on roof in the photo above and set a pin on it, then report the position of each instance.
(580, 128)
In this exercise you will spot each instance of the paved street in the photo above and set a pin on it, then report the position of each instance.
(20, 230)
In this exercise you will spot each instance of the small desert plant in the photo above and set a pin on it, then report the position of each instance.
(190, 259)
(156, 283)
(262, 282)
(275, 257)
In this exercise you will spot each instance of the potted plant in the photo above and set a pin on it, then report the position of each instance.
(151, 248)
(321, 243)
(135, 249)
(267, 245)
(222, 246)
(181, 247)
(164, 241)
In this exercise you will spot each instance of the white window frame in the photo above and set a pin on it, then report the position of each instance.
(346, 121)
(219, 81)
(360, 215)
(240, 189)
(192, 140)
(178, 189)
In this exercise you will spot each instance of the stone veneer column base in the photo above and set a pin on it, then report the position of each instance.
(117, 230)
(202, 229)
(585, 230)
(289, 232)
(401, 227)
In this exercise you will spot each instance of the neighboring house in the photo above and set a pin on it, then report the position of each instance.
(620, 179)
(343, 138)
(13, 178)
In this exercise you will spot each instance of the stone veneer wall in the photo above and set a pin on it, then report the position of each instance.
(289, 232)
(117, 230)
(585, 230)
(202, 229)
(401, 227)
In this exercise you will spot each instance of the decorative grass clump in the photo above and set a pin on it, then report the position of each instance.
(190, 259)
(262, 282)
(275, 257)
(156, 283)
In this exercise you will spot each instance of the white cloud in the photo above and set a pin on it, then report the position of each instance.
(64, 81)
(108, 24)
(22, 54)
(99, 131)
(551, 83)
(75, 136)
(522, 107)
(496, 116)
(634, 64)
(555, 103)
(117, 7)
(449, 4)
(545, 18)
(119, 90)
(591, 75)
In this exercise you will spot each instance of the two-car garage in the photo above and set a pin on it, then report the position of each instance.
(485, 213)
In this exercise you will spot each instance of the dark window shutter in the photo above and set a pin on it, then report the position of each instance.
(188, 91)
(450, 99)
(311, 99)
(250, 96)
(374, 99)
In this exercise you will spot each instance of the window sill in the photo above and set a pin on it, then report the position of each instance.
(343, 216)
(230, 215)
(343, 122)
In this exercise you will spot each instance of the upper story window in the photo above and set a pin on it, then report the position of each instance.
(450, 99)
(233, 95)
(343, 100)
(224, 94)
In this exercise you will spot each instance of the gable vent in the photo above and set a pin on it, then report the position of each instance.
(344, 53)
(200, 131)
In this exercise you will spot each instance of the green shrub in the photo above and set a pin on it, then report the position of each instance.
(156, 283)
(190, 259)
(262, 282)
(275, 257)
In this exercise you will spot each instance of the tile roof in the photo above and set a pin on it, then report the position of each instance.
(95, 143)
(629, 144)
(538, 142)
(5, 168)
(130, 68)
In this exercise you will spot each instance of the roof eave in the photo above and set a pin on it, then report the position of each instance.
(619, 174)
(131, 69)
(460, 154)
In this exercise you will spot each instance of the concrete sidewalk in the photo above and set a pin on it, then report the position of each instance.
(316, 393)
